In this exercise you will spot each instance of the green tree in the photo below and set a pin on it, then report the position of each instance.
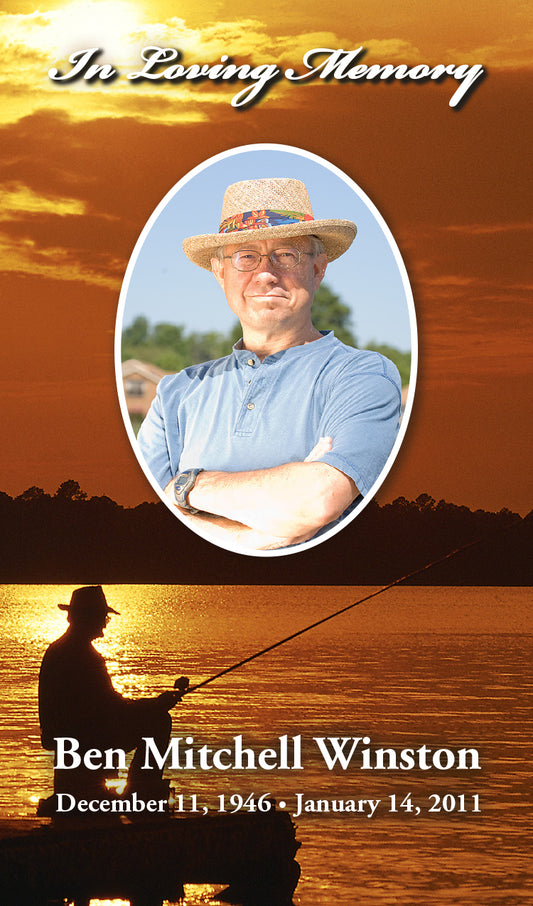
(202, 347)
(169, 335)
(170, 348)
(402, 360)
(137, 333)
(329, 312)
(235, 333)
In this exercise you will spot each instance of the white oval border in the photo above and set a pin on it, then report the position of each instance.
(243, 149)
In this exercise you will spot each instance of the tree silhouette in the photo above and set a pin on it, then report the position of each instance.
(33, 493)
(70, 490)
(69, 538)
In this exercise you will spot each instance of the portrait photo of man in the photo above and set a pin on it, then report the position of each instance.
(275, 444)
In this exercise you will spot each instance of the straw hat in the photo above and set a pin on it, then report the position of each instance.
(257, 209)
(87, 602)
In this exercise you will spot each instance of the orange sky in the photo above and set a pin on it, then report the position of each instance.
(84, 167)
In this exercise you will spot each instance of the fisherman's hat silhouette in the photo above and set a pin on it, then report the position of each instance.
(88, 601)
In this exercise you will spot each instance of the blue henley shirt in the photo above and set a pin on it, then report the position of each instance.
(240, 414)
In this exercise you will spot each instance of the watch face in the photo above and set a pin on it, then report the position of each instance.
(182, 485)
(179, 485)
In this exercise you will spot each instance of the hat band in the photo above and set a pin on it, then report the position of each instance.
(257, 220)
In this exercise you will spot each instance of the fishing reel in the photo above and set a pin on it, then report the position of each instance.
(182, 684)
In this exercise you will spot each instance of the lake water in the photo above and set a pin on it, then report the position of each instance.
(447, 668)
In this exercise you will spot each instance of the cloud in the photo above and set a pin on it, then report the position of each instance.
(74, 202)
(514, 51)
(481, 229)
(57, 218)
(23, 249)
(34, 43)
(48, 234)
(388, 50)
(17, 199)
(449, 280)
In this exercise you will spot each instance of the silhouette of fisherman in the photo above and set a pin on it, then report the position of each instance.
(77, 699)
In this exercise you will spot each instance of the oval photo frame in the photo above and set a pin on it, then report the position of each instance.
(159, 270)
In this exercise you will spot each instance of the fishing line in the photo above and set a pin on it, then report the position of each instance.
(337, 613)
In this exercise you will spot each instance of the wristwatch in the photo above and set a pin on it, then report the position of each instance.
(183, 484)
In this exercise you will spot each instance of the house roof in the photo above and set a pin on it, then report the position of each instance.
(149, 372)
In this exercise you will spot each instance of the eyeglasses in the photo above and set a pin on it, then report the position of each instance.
(283, 259)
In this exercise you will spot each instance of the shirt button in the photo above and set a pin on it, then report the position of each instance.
(251, 362)
(250, 406)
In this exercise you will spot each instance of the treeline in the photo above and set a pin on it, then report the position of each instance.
(171, 348)
(68, 537)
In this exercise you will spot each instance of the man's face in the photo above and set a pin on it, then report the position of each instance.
(270, 298)
(92, 626)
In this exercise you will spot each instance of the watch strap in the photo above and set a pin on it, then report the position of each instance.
(183, 484)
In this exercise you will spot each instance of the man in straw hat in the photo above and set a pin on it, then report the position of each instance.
(276, 442)
(77, 701)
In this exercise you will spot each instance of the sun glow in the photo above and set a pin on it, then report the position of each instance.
(109, 24)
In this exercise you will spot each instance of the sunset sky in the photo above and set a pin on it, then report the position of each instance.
(84, 166)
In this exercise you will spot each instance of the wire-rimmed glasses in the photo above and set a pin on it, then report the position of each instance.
(284, 258)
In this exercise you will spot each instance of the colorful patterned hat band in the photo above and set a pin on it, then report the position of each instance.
(256, 220)
(280, 208)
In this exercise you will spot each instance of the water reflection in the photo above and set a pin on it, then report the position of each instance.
(195, 895)
(433, 666)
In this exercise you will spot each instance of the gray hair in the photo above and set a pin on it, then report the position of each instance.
(317, 246)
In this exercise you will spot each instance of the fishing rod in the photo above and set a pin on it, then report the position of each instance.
(182, 685)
